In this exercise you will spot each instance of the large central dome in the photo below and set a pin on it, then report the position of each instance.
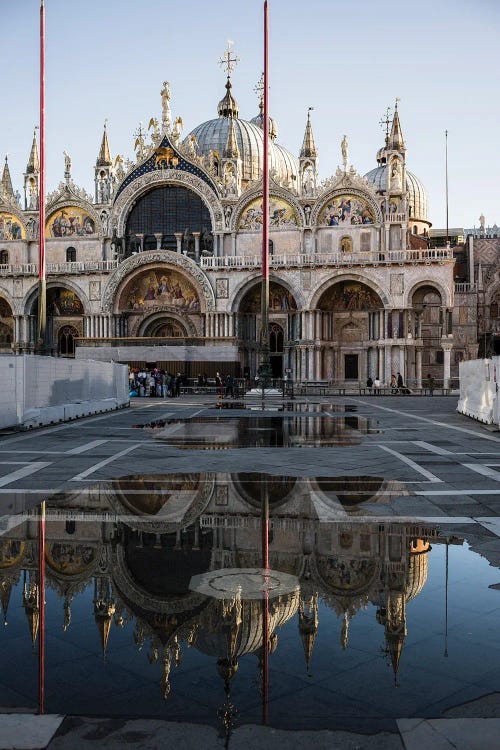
(213, 134)
(417, 198)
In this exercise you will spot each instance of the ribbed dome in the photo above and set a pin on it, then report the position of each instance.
(416, 191)
(273, 125)
(212, 135)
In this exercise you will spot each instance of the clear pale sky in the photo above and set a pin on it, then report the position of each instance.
(108, 59)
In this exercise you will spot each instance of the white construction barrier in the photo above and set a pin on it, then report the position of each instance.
(38, 390)
(479, 396)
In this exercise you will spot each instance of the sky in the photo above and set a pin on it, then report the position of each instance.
(109, 58)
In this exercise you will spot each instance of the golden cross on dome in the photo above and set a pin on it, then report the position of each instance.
(386, 120)
(229, 61)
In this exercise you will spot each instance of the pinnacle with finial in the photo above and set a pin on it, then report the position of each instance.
(308, 145)
(229, 60)
(104, 158)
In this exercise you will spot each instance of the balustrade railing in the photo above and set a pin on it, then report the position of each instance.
(425, 255)
(465, 287)
(31, 269)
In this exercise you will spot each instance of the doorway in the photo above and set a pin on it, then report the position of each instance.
(351, 366)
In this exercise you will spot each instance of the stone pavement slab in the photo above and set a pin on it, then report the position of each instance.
(27, 731)
(450, 734)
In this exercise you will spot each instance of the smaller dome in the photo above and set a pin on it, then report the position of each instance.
(417, 196)
(273, 125)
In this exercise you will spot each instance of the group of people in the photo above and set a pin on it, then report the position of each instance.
(397, 384)
(155, 383)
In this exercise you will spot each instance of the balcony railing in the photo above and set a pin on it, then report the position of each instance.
(31, 269)
(331, 259)
(465, 287)
(395, 218)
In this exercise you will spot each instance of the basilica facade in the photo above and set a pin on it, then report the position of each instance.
(162, 264)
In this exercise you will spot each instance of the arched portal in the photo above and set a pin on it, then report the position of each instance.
(165, 326)
(164, 212)
(6, 325)
(64, 320)
(347, 311)
(430, 324)
(284, 327)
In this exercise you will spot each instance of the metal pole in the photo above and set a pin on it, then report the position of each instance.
(42, 289)
(446, 162)
(265, 600)
(265, 372)
(41, 590)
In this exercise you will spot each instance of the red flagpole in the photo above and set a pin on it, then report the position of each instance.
(265, 366)
(42, 310)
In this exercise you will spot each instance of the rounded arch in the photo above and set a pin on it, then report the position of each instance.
(7, 213)
(139, 187)
(492, 293)
(254, 279)
(126, 270)
(443, 292)
(161, 318)
(70, 286)
(155, 286)
(81, 209)
(4, 294)
(356, 277)
(339, 192)
(252, 196)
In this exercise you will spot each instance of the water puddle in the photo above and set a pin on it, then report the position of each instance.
(159, 604)
(205, 433)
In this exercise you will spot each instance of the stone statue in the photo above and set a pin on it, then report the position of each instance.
(344, 146)
(207, 243)
(396, 175)
(228, 212)
(307, 213)
(118, 166)
(482, 223)
(105, 222)
(230, 184)
(67, 163)
(155, 135)
(165, 106)
(177, 130)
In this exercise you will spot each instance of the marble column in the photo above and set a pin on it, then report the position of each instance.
(446, 363)
(318, 373)
(178, 239)
(196, 236)
(418, 367)
(388, 364)
(402, 363)
(158, 237)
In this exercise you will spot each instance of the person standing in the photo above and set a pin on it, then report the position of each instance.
(369, 384)
(400, 383)
(178, 380)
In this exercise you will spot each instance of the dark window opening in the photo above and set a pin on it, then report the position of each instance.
(71, 255)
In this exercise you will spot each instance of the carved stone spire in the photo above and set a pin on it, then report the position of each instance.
(232, 150)
(308, 149)
(31, 604)
(6, 184)
(396, 142)
(33, 166)
(104, 158)
(104, 609)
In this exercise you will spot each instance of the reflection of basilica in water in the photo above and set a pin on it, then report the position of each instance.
(137, 542)
(161, 264)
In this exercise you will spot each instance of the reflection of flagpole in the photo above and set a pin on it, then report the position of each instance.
(42, 291)
(41, 593)
(265, 599)
(446, 604)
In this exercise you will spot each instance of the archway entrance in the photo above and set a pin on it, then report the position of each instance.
(6, 325)
(165, 327)
(284, 327)
(349, 317)
(64, 320)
